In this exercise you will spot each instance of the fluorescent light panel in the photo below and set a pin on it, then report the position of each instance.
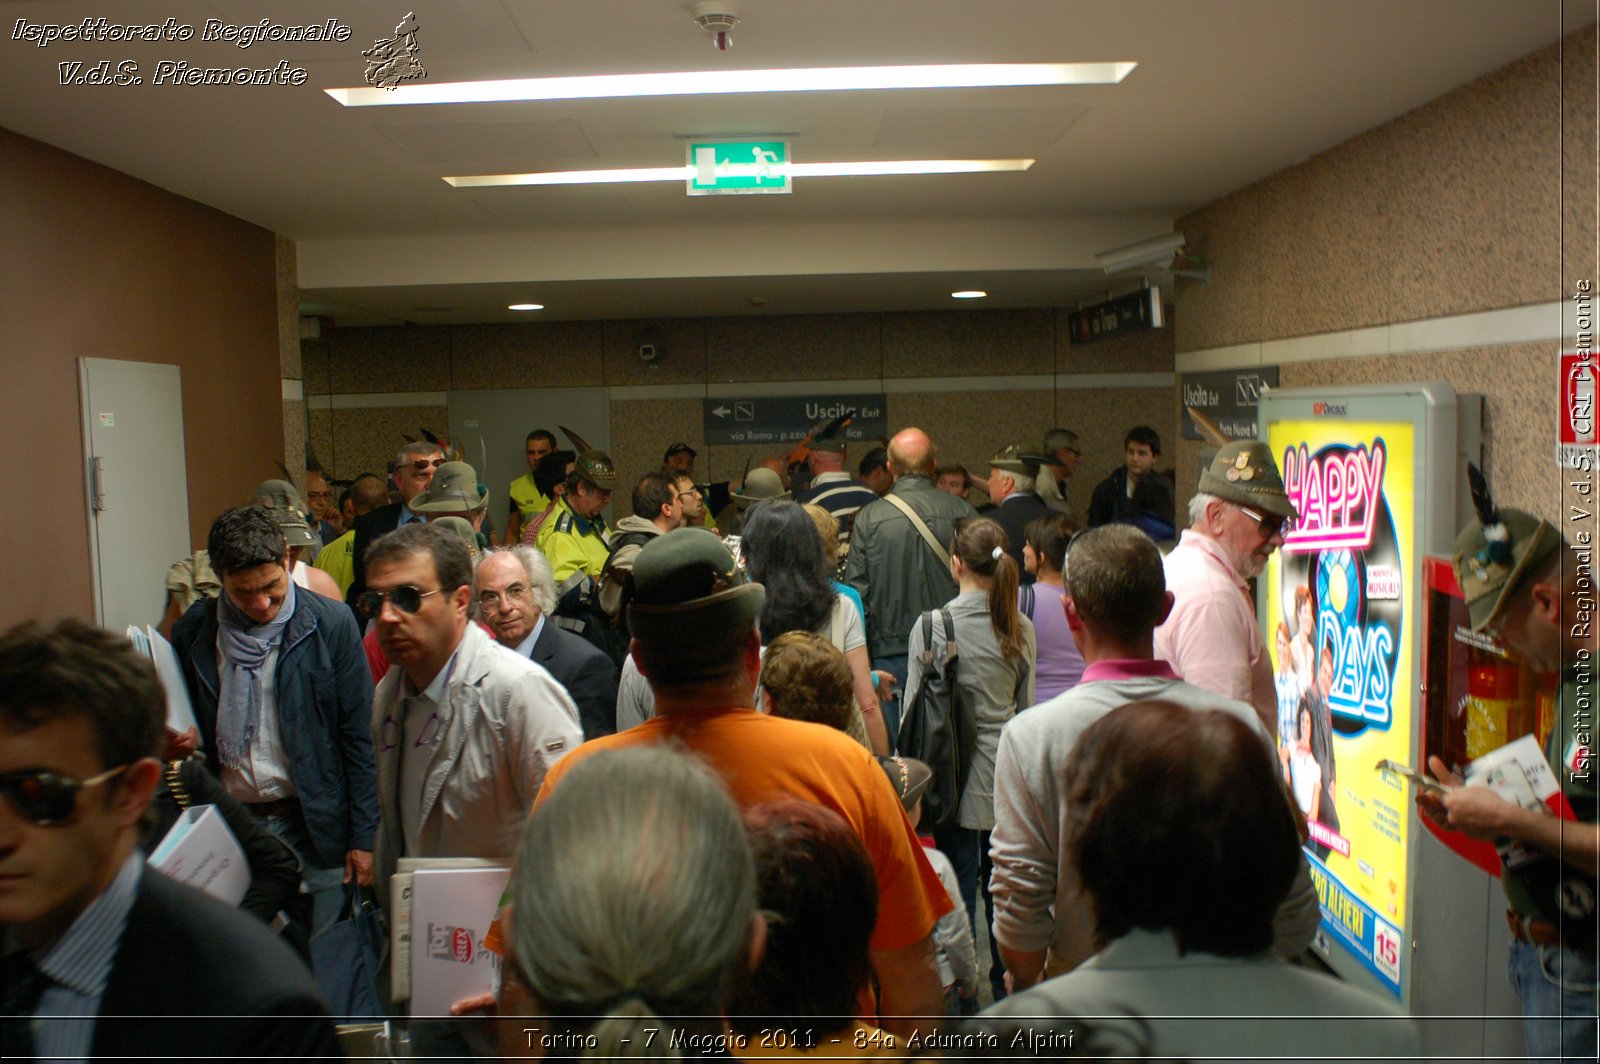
(712, 82)
(683, 173)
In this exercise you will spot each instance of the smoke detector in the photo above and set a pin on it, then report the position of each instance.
(717, 18)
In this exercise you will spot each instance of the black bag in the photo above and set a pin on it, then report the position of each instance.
(938, 726)
(346, 957)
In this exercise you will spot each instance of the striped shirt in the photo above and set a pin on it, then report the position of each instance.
(78, 967)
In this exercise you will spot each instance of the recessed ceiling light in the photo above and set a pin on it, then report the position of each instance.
(683, 173)
(526, 306)
(969, 293)
(711, 82)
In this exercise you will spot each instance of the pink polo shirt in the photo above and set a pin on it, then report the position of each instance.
(1211, 636)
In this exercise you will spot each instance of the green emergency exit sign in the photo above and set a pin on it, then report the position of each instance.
(738, 168)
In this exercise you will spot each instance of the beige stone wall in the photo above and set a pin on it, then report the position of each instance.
(1480, 200)
(400, 373)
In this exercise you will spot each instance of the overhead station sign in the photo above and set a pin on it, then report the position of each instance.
(739, 168)
(786, 419)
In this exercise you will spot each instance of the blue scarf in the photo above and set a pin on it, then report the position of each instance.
(245, 646)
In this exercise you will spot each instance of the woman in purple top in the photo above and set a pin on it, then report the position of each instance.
(1044, 553)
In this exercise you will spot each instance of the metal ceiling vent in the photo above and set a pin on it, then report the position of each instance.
(717, 18)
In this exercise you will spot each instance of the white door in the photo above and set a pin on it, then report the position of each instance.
(138, 485)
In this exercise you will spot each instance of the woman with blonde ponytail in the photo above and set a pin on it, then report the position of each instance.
(633, 914)
(997, 651)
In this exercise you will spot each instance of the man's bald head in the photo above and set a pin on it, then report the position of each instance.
(911, 453)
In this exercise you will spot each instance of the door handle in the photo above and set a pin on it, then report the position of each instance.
(97, 494)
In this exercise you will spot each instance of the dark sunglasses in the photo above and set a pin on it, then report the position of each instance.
(44, 798)
(422, 465)
(406, 599)
(1270, 524)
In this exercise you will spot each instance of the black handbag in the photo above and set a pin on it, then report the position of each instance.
(346, 957)
(939, 727)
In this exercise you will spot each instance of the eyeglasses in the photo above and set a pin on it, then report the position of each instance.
(1270, 524)
(406, 599)
(490, 600)
(422, 465)
(44, 798)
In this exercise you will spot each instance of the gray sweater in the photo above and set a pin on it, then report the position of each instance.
(1036, 898)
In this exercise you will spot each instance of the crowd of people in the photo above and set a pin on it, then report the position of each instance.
(695, 737)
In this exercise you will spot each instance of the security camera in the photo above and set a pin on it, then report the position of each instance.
(1157, 251)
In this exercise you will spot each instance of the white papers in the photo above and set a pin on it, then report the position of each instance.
(1519, 773)
(451, 910)
(202, 852)
(148, 641)
(400, 913)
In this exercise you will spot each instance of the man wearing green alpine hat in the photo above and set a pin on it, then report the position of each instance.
(693, 617)
(1529, 588)
(1236, 520)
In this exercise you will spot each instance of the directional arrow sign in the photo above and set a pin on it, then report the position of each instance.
(779, 421)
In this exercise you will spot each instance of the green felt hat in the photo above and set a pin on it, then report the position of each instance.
(1490, 560)
(1244, 473)
(688, 589)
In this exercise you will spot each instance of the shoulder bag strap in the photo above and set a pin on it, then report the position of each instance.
(920, 525)
(1027, 600)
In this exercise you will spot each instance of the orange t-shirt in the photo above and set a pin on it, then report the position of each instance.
(764, 758)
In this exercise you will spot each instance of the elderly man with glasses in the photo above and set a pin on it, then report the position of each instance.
(1237, 519)
(515, 594)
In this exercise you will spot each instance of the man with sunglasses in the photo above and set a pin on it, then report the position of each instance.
(1236, 520)
(414, 467)
(281, 694)
(104, 957)
(465, 729)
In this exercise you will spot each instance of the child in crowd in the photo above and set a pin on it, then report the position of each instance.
(952, 935)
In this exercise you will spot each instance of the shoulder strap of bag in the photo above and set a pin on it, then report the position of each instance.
(1027, 600)
(836, 624)
(920, 525)
(949, 634)
(927, 638)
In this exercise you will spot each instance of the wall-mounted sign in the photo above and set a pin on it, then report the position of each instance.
(1127, 314)
(1228, 397)
(786, 419)
(738, 168)
(1576, 428)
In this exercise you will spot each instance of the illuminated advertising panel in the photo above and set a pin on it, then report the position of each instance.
(1339, 607)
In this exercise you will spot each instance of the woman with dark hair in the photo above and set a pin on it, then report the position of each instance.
(1044, 554)
(997, 651)
(783, 553)
(814, 882)
(1185, 846)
